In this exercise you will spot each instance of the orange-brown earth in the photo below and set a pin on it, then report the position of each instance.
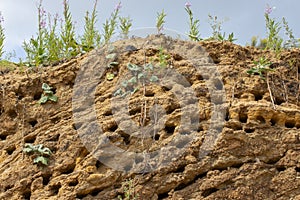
(224, 140)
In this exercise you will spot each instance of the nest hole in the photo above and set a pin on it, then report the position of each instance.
(33, 123)
(209, 191)
(290, 124)
(243, 117)
(170, 129)
(249, 130)
(156, 137)
(55, 188)
(163, 195)
(10, 150)
(273, 121)
(114, 127)
(55, 120)
(27, 194)
(69, 169)
(279, 101)
(73, 183)
(260, 119)
(258, 96)
(12, 114)
(3, 137)
(46, 179)
(8, 187)
(37, 95)
(30, 139)
(98, 164)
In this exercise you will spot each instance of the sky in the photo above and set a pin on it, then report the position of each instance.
(244, 18)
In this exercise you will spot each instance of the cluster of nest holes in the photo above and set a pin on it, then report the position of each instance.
(278, 100)
(288, 123)
(243, 118)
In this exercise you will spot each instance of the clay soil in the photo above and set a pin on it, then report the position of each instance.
(236, 136)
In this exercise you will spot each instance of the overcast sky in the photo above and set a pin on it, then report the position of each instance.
(244, 18)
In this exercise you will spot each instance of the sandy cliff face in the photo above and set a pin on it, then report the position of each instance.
(198, 128)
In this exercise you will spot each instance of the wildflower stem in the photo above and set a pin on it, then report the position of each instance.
(194, 24)
(2, 36)
(160, 21)
(91, 37)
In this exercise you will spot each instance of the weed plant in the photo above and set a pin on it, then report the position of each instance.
(129, 191)
(48, 94)
(41, 153)
(160, 21)
(125, 25)
(194, 33)
(274, 41)
(91, 37)
(262, 68)
(110, 24)
(2, 36)
(291, 42)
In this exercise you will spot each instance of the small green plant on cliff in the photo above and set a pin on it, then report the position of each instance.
(91, 37)
(292, 42)
(70, 46)
(47, 94)
(41, 154)
(110, 24)
(112, 61)
(160, 21)
(194, 33)
(216, 26)
(140, 75)
(163, 58)
(129, 191)
(35, 48)
(274, 41)
(143, 75)
(125, 25)
(262, 69)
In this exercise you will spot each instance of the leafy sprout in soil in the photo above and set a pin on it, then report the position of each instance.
(41, 154)
(47, 94)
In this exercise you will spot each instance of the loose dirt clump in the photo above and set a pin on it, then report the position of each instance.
(183, 121)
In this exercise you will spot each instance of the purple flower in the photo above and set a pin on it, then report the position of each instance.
(188, 4)
(268, 9)
(1, 18)
(42, 12)
(43, 24)
(118, 6)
